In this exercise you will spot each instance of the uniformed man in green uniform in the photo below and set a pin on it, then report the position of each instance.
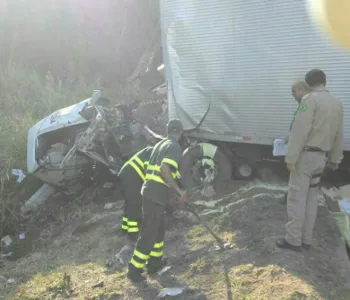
(300, 91)
(132, 175)
(316, 139)
(161, 173)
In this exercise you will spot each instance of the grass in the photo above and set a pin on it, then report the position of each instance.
(69, 248)
(67, 283)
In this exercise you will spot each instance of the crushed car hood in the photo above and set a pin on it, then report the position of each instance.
(64, 117)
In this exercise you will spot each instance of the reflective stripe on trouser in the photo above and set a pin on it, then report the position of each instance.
(132, 184)
(125, 224)
(302, 198)
(151, 236)
(157, 251)
(133, 226)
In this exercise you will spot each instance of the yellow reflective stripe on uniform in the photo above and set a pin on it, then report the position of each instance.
(125, 219)
(125, 227)
(137, 169)
(158, 245)
(133, 229)
(140, 255)
(139, 161)
(170, 162)
(153, 168)
(157, 168)
(132, 223)
(155, 178)
(136, 264)
(156, 254)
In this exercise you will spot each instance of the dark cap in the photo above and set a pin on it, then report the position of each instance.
(174, 126)
(315, 77)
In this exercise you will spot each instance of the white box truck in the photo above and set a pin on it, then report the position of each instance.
(242, 57)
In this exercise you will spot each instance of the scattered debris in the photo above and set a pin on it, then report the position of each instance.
(11, 281)
(175, 291)
(38, 198)
(109, 206)
(108, 185)
(6, 241)
(220, 247)
(124, 255)
(19, 173)
(109, 263)
(22, 236)
(98, 285)
(164, 270)
(5, 255)
(209, 204)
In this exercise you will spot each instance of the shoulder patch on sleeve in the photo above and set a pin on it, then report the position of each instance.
(306, 96)
(303, 107)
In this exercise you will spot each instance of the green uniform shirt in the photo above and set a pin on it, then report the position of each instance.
(154, 188)
(138, 163)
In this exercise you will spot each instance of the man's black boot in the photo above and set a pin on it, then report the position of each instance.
(135, 276)
(154, 267)
(283, 244)
(306, 246)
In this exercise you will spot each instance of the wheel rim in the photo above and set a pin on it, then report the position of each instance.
(204, 170)
(245, 170)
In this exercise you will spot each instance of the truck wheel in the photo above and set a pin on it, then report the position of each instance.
(204, 163)
(243, 169)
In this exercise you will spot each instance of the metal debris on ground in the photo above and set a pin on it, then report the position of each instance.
(38, 198)
(98, 285)
(164, 270)
(175, 291)
(5, 255)
(221, 247)
(109, 263)
(108, 185)
(6, 241)
(109, 206)
(209, 204)
(124, 255)
(19, 173)
(11, 281)
(22, 236)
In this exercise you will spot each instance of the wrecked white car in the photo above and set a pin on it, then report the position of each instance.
(84, 142)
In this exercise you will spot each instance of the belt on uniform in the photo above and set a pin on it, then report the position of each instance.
(313, 149)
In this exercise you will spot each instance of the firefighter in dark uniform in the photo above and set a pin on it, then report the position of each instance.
(132, 176)
(161, 173)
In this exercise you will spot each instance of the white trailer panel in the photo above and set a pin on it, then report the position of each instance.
(243, 56)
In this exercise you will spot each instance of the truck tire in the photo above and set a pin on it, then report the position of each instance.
(204, 162)
(243, 169)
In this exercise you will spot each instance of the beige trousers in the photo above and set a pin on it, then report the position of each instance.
(302, 197)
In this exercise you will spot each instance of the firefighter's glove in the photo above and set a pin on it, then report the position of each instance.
(182, 198)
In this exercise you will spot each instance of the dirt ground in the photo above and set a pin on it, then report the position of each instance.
(67, 257)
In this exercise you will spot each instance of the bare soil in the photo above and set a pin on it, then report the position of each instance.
(63, 258)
